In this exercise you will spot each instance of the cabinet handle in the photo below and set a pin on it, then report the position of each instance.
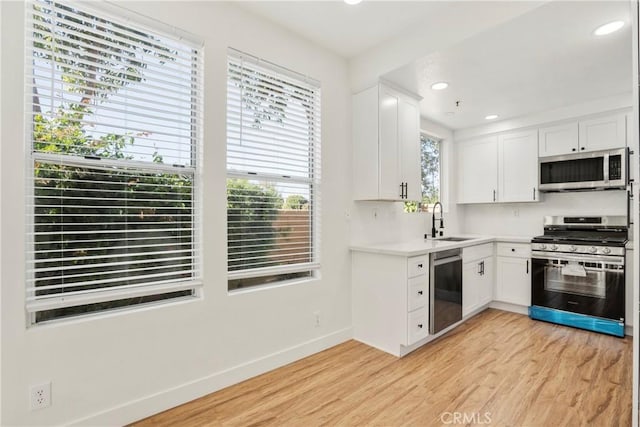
(482, 263)
(419, 265)
(513, 249)
(406, 190)
(582, 148)
(573, 149)
(419, 292)
(420, 325)
(402, 190)
(494, 195)
(534, 194)
(527, 266)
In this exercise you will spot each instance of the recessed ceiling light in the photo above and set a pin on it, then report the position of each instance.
(352, 1)
(491, 117)
(439, 85)
(609, 28)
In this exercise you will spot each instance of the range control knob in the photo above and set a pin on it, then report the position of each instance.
(606, 250)
(593, 250)
(553, 247)
(572, 248)
(543, 246)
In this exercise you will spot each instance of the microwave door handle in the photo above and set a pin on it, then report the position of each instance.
(605, 167)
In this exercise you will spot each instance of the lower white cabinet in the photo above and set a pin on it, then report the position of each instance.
(390, 300)
(477, 277)
(513, 267)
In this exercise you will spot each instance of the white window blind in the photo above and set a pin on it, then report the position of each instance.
(273, 173)
(115, 123)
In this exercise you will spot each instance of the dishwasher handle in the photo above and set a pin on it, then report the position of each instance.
(447, 260)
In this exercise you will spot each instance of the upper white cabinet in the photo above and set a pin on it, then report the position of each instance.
(603, 133)
(501, 168)
(478, 170)
(600, 133)
(557, 140)
(386, 139)
(518, 167)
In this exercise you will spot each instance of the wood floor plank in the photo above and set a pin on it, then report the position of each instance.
(516, 371)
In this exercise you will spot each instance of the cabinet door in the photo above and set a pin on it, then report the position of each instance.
(389, 154)
(485, 291)
(513, 283)
(478, 171)
(471, 284)
(603, 133)
(410, 148)
(557, 140)
(365, 130)
(518, 167)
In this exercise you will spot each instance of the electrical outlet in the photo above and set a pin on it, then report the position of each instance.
(317, 317)
(40, 396)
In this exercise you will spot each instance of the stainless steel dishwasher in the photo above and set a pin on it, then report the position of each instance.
(445, 289)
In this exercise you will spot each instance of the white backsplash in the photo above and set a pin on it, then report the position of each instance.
(386, 222)
(525, 219)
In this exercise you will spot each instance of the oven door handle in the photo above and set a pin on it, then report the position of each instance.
(617, 260)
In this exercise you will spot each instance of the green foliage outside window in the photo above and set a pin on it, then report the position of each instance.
(430, 175)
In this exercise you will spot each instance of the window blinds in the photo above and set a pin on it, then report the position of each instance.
(273, 171)
(115, 124)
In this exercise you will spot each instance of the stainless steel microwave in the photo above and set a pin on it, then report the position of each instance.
(597, 170)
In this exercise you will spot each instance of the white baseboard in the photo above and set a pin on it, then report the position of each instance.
(169, 398)
(505, 306)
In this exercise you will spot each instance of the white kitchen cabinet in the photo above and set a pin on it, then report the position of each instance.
(501, 168)
(478, 170)
(386, 140)
(513, 270)
(390, 300)
(477, 277)
(558, 140)
(603, 133)
(518, 166)
(599, 133)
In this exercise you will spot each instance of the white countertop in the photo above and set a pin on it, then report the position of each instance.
(422, 247)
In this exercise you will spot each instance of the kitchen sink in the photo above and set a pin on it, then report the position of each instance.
(454, 239)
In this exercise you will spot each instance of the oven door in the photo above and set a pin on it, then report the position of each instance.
(586, 284)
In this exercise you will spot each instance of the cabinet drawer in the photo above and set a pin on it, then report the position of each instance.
(418, 288)
(417, 266)
(418, 327)
(472, 253)
(519, 250)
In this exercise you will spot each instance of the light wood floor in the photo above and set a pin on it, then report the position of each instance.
(504, 366)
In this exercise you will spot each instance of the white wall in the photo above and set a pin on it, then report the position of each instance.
(386, 222)
(113, 369)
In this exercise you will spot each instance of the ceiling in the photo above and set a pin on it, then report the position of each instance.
(545, 59)
(344, 29)
(539, 59)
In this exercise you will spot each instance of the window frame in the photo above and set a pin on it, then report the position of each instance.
(426, 135)
(313, 181)
(121, 293)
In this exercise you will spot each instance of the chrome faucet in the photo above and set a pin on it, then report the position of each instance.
(433, 220)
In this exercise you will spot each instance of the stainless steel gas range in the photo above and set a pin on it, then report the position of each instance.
(578, 272)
